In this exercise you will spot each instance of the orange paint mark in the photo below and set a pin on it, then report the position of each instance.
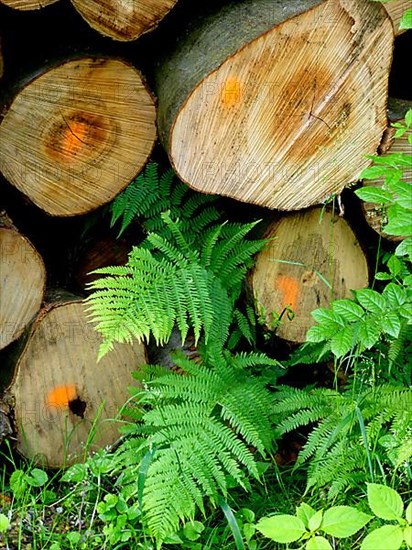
(290, 290)
(60, 396)
(231, 92)
(74, 136)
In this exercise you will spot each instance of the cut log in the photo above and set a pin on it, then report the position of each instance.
(26, 5)
(123, 20)
(313, 258)
(395, 9)
(65, 402)
(22, 282)
(75, 136)
(281, 109)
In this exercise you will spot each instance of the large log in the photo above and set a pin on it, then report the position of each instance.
(123, 20)
(281, 109)
(395, 9)
(22, 282)
(26, 5)
(64, 401)
(76, 135)
(313, 257)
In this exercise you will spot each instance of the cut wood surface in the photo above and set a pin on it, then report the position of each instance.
(75, 136)
(313, 258)
(27, 4)
(22, 282)
(62, 396)
(123, 20)
(395, 9)
(281, 109)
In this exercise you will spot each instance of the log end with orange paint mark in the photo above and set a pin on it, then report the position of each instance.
(60, 396)
(288, 286)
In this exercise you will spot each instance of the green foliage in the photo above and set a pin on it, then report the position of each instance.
(343, 522)
(149, 195)
(337, 521)
(197, 431)
(357, 433)
(192, 282)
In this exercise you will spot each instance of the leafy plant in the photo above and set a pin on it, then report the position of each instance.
(307, 524)
(193, 282)
(197, 430)
(358, 434)
(386, 503)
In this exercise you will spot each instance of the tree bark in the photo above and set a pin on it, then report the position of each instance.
(76, 135)
(22, 282)
(123, 20)
(281, 109)
(313, 258)
(66, 404)
(26, 5)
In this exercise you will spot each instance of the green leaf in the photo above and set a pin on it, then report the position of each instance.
(282, 528)
(391, 324)
(37, 478)
(371, 300)
(75, 474)
(369, 331)
(403, 192)
(343, 521)
(384, 502)
(400, 221)
(404, 248)
(318, 543)
(374, 194)
(343, 341)
(327, 317)
(407, 535)
(4, 523)
(371, 173)
(408, 116)
(233, 524)
(316, 520)
(304, 512)
(388, 537)
(348, 309)
(193, 530)
(395, 294)
(18, 483)
(408, 513)
(406, 23)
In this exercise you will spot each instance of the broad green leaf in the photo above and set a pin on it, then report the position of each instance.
(348, 309)
(318, 543)
(18, 482)
(282, 528)
(75, 473)
(371, 173)
(305, 512)
(406, 23)
(395, 265)
(395, 294)
(403, 193)
(374, 194)
(407, 535)
(391, 324)
(343, 341)
(404, 248)
(381, 276)
(193, 530)
(343, 521)
(327, 317)
(37, 478)
(400, 221)
(369, 332)
(385, 502)
(318, 333)
(316, 521)
(371, 300)
(408, 513)
(4, 523)
(408, 116)
(388, 537)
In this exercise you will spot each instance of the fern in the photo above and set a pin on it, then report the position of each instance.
(203, 427)
(337, 450)
(168, 281)
(149, 195)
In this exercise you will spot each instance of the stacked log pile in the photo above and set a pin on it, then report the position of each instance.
(271, 103)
